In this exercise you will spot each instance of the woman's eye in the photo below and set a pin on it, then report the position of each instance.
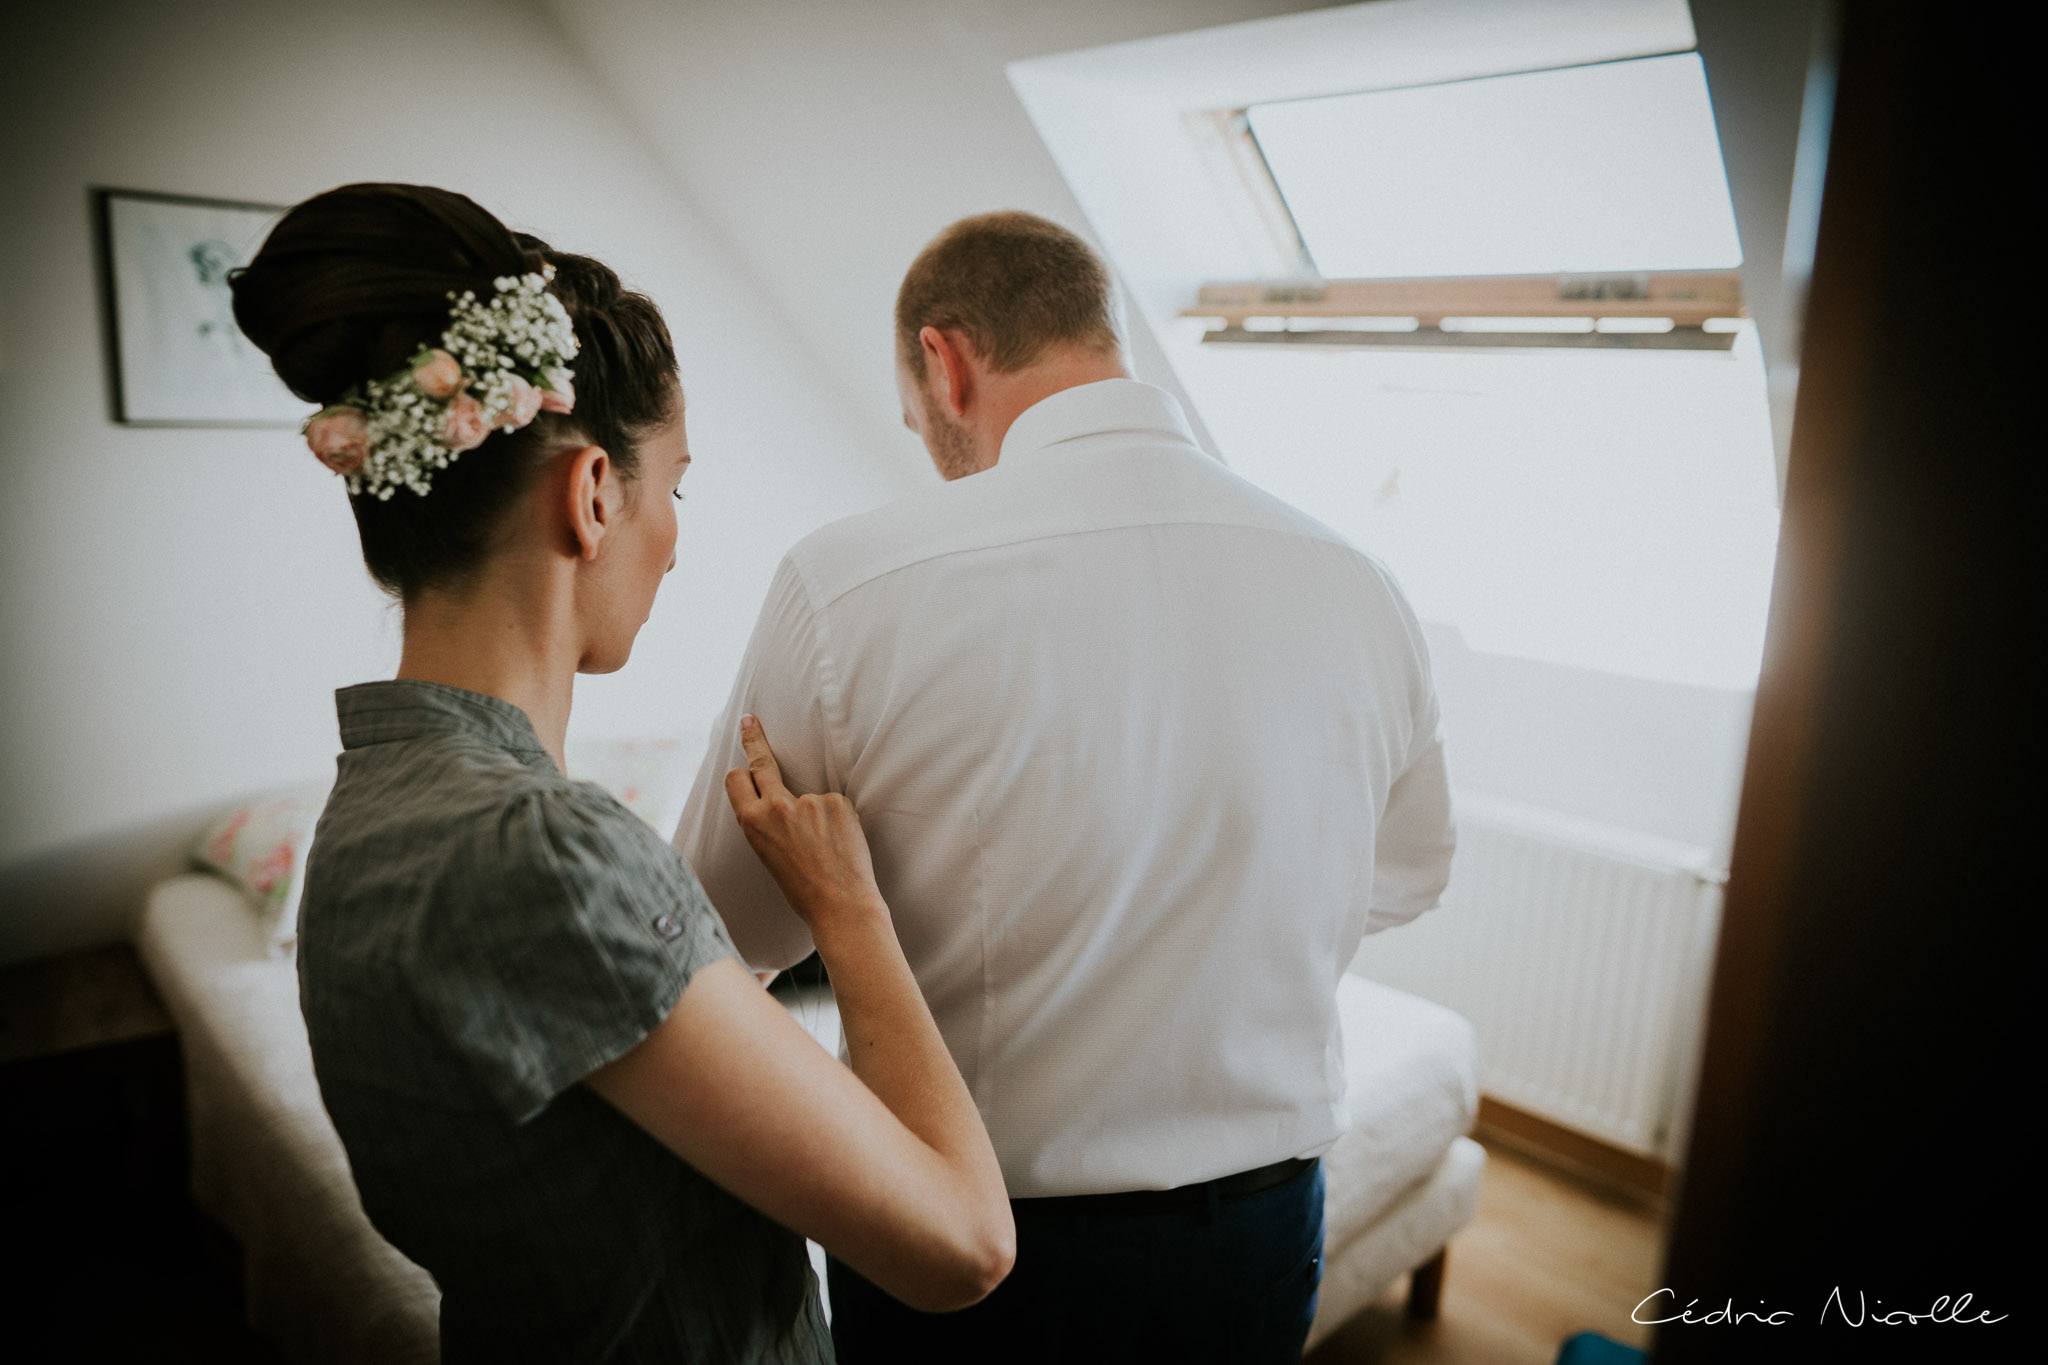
(677, 494)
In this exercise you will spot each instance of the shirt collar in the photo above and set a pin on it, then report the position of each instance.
(407, 708)
(1092, 410)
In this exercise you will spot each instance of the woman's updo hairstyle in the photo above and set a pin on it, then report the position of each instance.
(351, 283)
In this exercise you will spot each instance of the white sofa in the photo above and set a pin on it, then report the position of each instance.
(318, 1279)
(324, 1286)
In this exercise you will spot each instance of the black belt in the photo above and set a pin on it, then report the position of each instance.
(1223, 1188)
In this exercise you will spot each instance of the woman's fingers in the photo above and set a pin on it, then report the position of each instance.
(767, 773)
(740, 790)
(812, 845)
(761, 778)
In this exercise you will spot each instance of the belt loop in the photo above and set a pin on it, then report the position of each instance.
(1215, 1202)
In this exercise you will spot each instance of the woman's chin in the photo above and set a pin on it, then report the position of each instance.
(606, 661)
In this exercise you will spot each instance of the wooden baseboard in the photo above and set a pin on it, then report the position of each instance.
(1590, 1159)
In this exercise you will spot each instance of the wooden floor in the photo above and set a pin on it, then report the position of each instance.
(1545, 1257)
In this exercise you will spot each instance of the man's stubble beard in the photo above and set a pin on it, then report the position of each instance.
(950, 444)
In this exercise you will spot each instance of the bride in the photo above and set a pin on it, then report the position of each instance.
(560, 1090)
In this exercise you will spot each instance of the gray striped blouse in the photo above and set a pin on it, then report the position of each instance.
(478, 934)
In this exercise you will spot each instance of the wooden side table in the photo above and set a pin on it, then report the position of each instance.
(89, 999)
(116, 1262)
(90, 1078)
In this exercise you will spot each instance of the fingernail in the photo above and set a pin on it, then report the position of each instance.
(747, 722)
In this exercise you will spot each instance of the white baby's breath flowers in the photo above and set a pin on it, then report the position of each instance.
(499, 363)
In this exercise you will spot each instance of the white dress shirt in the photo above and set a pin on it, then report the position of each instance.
(1141, 751)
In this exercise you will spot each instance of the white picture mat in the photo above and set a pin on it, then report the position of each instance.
(182, 358)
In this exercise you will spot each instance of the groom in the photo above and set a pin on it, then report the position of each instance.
(1142, 752)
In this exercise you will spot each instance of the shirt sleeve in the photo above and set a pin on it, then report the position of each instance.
(585, 930)
(1412, 858)
(1416, 835)
(787, 681)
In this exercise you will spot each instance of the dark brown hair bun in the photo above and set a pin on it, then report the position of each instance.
(352, 282)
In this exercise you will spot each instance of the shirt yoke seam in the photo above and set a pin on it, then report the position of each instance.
(821, 602)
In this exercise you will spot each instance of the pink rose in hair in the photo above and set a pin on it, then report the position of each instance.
(526, 401)
(439, 375)
(560, 395)
(340, 438)
(464, 428)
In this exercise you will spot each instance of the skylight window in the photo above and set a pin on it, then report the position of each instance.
(1614, 167)
(1596, 498)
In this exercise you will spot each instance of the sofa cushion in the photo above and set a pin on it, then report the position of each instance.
(1412, 1086)
(319, 1280)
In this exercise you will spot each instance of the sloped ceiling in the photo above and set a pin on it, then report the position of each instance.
(828, 141)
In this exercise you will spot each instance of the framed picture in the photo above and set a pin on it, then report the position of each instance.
(177, 357)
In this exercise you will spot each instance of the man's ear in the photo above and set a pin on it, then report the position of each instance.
(591, 494)
(947, 357)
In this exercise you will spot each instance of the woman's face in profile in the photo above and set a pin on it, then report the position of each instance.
(640, 549)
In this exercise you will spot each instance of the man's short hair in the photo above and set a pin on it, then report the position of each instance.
(1014, 283)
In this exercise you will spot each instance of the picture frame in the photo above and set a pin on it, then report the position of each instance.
(175, 356)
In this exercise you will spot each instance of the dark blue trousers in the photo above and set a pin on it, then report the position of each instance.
(1229, 1281)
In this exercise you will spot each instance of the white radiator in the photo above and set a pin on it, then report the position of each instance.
(1580, 953)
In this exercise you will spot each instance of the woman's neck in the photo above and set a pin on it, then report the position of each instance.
(503, 635)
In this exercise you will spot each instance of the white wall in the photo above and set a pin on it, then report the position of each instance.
(1662, 758)
(830, 141)
(177, 605)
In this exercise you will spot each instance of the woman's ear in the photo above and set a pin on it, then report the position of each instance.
(592, 493)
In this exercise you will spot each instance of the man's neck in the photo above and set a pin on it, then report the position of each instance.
(1008, 396)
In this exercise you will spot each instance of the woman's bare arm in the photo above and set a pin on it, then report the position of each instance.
(887, 1165)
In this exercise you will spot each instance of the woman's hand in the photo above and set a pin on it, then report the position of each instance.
(886, 1164)
(812, 844)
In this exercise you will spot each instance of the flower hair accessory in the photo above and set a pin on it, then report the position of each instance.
(498, 365)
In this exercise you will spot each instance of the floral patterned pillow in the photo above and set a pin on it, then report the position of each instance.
(261, 847)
